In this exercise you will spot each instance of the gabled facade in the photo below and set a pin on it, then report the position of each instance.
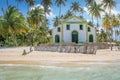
(73, 29)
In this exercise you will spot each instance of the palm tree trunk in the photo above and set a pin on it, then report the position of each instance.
(23, 39)
(45, 18)
(17, 4)
(32, 39)
(7, 3)
(97, 23)
(75, 13)
(14, 39)
(7, 37)
(82, 14)
(92, 21)
(3, 10)
(119, 34)
(60, 12)
(114, 34)
(97, 33)
(110, 30)
(107, 32)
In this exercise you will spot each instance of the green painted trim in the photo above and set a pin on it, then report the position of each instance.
(65, 21)
(87, 34)
(74, 22)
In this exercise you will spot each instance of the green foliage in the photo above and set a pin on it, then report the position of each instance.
(56, 21)
(68, 14)
(15, 29)
(13, 22)
(35, 17)
(30, 2)
(38, 30)
(102, 36)
(23, 31)
(75, 7)
(117, 43)
(59, 3)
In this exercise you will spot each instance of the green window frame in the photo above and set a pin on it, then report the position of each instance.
(81, 27)
(58, 29)
(67, 27)
(89, 29)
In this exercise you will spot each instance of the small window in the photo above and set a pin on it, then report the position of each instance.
(89, 29)
(58, 29)
(81, 27)
(67, 27)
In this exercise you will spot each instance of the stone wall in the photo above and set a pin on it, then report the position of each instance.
(85, 49)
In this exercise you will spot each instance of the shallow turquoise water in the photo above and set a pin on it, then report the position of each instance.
(84, 72)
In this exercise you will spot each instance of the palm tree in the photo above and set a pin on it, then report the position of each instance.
(2, 29)
(109, 4)
(36, 20)
(68, 14)
(81, 11)
(14, 22)
(118, 16)
(102, 36)
(46, 4)
(106, 22)
(90, 23)
(59, 3)
(30, 2)
(35, 17)
(114, 23)
(88, 4)
(56, 21)
(7, 3)
(95, 10)
(75, 7)
(18, 2)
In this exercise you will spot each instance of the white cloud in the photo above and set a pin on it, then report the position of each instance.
(35, 6)
(85, 9)
(88, 20)
(50, 15)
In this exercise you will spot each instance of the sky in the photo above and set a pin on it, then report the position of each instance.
(23, 7)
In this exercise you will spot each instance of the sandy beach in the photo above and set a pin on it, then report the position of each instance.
(14, 56)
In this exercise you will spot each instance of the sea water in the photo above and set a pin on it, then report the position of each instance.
(108, 71)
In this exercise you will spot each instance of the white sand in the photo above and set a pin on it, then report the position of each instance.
(14, 56)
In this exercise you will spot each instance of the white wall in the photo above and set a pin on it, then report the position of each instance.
(74, 27)
(93, 33)
(55, 32)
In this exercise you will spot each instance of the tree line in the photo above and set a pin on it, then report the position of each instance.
(32, 29)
